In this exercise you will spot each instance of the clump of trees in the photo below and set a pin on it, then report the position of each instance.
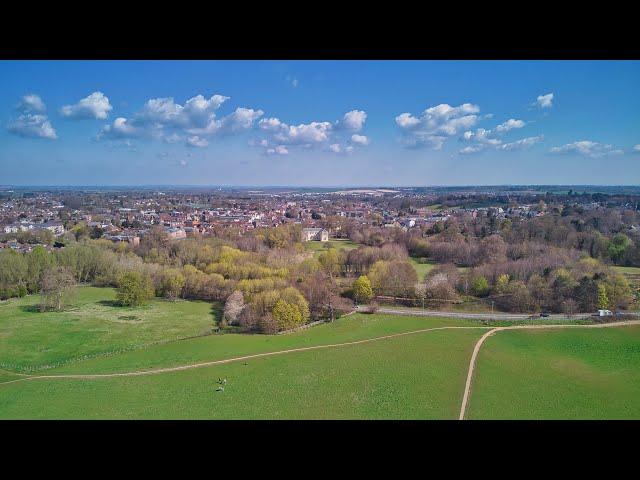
(57, 289)
(134, 289)
(362, 291)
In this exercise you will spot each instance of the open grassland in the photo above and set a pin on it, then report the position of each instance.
(31, 340)
(571, 373)
(559, 374)
(217, 347)
(415, 376)
(319, 247)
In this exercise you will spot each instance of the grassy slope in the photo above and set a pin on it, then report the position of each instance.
(417, 376)
(216, 347)
(570, 374)
(31, 340)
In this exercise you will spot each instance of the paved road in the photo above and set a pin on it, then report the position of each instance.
(485, 316)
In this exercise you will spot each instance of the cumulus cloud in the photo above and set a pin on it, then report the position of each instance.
(545, 101)
(196, 141)
(353, 120)
(323, 135)
(120, 128)
(240, 119)
(637, 148)
(196, 121)
(31, 103)
(277, 150)
(197, 112)
(310, 133)
(339, 149)
(32, 123)
(587, 148)
(95, 106)
(436, 124)
(509, 125)
(360, 139)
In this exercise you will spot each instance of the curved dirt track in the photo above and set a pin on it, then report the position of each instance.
(233, 359)
(476, 349)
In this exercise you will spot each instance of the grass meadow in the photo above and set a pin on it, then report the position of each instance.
(520, 374)
(558, 374)
(32, 341)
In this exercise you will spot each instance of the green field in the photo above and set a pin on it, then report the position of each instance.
(319, 247)
(419, 374)
(421, 268)
(568, 374)
(93, 325)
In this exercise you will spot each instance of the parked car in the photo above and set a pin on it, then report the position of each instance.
(544, 314)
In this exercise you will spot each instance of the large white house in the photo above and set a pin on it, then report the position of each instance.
(318, 234)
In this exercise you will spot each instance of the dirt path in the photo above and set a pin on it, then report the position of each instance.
(233, 359)
(476, 349)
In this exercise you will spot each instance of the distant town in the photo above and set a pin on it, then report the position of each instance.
(40, 216)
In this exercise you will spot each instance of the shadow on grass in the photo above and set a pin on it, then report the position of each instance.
(109, 303)
(31, 308)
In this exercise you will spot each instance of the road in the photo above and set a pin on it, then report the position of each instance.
(484, 316)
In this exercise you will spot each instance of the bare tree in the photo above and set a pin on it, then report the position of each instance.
(56, 289)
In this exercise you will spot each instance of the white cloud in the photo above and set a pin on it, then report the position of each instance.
(436, 124)
(545, 101)
(120, 128)
(636, 148)
(522, 143)
(31, 103)
(271, 124)
(314, 132)
(197, 112)
(30, 125)
(196, 141)
(323, 135)
(278, 150)
(171, 122)
(95, 105)
(509, 125)
(472, 149)
(587, 148)
(240, 119)
(354, 120)
(360, 139)
(481, 135)
(407, 121)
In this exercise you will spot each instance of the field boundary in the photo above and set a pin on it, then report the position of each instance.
(136, 373)
(476, 349)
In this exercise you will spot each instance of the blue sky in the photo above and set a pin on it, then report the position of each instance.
(319, 122)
